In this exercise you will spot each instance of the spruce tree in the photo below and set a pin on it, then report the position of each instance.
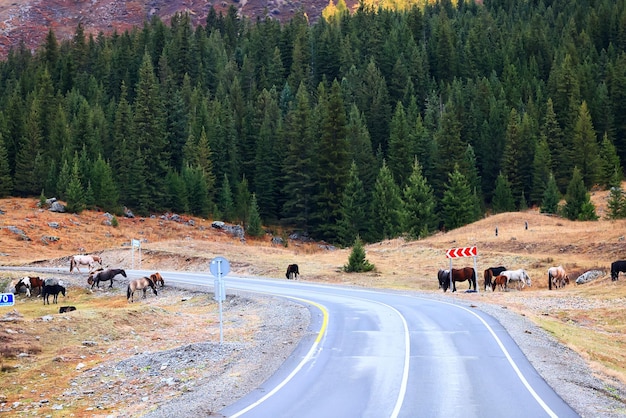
(387, 207)
(254, 225)
(586, 150)
(75, 194)
(225, 203)
(609, 161)
(578, 205)
(353, 220)
(551, 197)
(616, 204)
(357, 262)
(541, 170)
(6, 182)
(457, 208)
(503, 200)
(419, 204)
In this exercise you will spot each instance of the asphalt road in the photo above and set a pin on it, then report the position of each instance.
(371, 353)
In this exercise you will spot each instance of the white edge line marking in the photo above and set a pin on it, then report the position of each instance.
(306, 358)
(534, 394)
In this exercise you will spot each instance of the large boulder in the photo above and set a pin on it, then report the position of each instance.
(588, 276)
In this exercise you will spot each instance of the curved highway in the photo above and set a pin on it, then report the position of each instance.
(373, 353)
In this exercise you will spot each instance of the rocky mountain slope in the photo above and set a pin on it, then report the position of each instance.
(29, 21)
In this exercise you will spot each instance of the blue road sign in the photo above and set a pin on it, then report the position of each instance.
(7, 299)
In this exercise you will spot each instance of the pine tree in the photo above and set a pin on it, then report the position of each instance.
(386, 206)
(401, 150)
(197, 194)
(254, 226)
(586, 150)
(609, 161)
(6, 182)
(503, 200)
(616, 204)
(578, 205)
(151, 136)
(177, 193)
(541, 170)
(353, 220)
(75, 194)
(357, 262)
(457, 208)
(333, 163)
(225, 203)
(25, 180)
(419, 204)
(551, 197)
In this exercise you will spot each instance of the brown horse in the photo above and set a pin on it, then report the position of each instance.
(157, 279)
(460, 275)
(139, 284)
(499, 281)
(490, 273)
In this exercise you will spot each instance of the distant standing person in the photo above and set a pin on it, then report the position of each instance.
(496, 231)
(526, 225)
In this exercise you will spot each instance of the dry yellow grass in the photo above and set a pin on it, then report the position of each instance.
(596, 329)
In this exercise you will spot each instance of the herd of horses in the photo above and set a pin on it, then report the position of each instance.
(53, 286)
(502, 278)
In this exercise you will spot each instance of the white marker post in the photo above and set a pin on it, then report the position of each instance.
(219, 267)
(135, 244)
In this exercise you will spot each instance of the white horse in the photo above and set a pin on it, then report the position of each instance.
(520, 276)
(86, 260)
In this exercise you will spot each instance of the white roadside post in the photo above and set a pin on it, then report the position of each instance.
(135, 243)
(463, 252)
(219, 267)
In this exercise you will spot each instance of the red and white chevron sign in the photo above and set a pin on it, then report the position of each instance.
(461, 252)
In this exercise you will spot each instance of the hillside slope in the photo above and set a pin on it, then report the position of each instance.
(28, 21)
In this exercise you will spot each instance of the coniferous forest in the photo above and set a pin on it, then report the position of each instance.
(371, 124)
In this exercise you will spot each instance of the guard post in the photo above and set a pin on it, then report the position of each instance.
(135, 243)
(219, 268)
(463, 252)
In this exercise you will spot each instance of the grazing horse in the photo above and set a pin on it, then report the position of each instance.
(86, 260)
(139, 284)
(292, 272)
(30, 283)
(443, 276)
(557, 277)
(499, 281)
(54, 289)
(103, 276)
(157, 279)
(460, 275)
(616, 267)
(520, 276)
(492, 272)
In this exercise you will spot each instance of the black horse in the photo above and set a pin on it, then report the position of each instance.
(492, 272)
(616, 267)
(103, 276)
(292, 272)
(54, 290)
(443, 276)
(460, 275)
